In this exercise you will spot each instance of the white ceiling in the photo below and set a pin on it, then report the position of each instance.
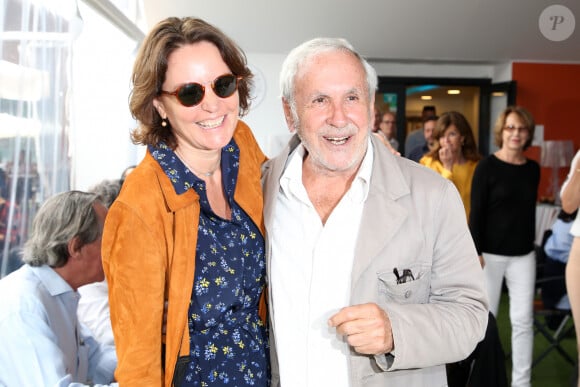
(474, 31)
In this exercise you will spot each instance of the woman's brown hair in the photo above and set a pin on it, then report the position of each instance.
(151, 66)
(468, 146)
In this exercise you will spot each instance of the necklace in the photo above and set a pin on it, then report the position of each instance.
(206, 174)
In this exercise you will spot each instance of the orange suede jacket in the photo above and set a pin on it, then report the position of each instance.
(148, 249)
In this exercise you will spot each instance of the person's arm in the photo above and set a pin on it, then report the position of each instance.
(386, 143)
(366, 327)
(570, 192)
(30, 354)
(133, 259)
(93, 311)
(456, 301)
(102, 358)
(478, 213)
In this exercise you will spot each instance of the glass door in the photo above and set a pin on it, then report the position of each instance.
(494, 98)
(391, 98)
(476, 98)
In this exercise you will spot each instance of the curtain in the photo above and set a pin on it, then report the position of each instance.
(35, 58)
(64, 83)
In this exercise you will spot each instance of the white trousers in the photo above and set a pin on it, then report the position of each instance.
(520, 277)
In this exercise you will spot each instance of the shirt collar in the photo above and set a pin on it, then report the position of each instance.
(360, 187)
(291, 178)
(51, 280)
(182, 178)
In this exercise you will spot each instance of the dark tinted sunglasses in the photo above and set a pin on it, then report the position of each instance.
(191, 94)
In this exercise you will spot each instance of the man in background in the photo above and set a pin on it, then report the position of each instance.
(93, 309)
(429, 126)
(417, 137)
(43, 343)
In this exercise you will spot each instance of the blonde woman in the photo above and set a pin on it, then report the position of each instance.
(502, 222)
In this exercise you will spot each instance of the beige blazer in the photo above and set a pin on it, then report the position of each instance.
(413, 219)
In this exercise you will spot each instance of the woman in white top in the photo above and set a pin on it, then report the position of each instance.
(570, 195)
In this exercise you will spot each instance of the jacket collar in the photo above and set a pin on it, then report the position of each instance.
(173, 201)
(383, 213)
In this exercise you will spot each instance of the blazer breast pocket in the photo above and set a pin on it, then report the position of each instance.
(413, 291)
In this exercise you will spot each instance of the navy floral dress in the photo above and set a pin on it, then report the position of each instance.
(229, 345)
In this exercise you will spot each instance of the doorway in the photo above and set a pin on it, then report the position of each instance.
(478, 99)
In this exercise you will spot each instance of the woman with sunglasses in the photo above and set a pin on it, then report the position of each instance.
(502, 221)
(185, 234)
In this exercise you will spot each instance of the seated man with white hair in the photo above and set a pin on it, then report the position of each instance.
(43, 344)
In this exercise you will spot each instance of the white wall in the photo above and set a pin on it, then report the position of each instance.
(267, 117)
(101, 122)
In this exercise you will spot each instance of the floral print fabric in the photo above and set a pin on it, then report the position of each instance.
(228, 339)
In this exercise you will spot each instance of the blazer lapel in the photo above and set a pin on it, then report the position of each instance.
(382, 215)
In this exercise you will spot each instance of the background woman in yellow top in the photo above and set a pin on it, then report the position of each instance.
(455, 155)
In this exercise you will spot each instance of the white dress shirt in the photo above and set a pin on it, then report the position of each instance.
(42, 343)
(94, 311)
(313, 262)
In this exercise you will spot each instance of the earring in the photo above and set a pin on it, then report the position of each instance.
(164, 122)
